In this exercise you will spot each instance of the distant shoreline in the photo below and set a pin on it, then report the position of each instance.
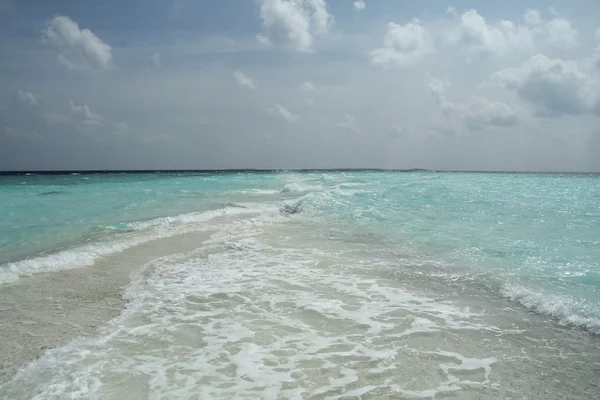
(263, 171)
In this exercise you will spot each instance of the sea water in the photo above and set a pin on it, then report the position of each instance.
(336, 285)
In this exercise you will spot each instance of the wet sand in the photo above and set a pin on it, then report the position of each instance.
(47, 310)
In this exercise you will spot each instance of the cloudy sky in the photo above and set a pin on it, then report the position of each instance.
(476, 85)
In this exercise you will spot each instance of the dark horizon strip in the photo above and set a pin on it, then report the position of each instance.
(262, 171)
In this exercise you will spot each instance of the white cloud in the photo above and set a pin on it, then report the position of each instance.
(244, 80)
(308, 87)
(478, 114)
(155, 58)
(51, 116)
(403, 45)
(27, 98)
(294, 23)
(359, 5)
(263, 40)
(349, 123)
(83, 114)
(281, 112)
(596, 52)
(437, 88)
(560, 33)
(554, 87)
(482, 113)
(532, 17)
(476, 37)
(321, 19)
(80, 48)
(307, 94)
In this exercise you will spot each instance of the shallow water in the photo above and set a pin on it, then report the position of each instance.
(337, 285)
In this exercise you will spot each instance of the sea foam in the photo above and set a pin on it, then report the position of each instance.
(141, 232)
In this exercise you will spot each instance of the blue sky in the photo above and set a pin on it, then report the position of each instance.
(511, 85)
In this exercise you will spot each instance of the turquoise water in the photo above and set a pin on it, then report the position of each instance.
(42, 213)
(498, 248)
(532, 237)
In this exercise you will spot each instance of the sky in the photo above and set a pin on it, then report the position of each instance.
(182, 84)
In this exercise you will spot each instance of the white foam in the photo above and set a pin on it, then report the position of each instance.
(568, 310)
(87, 255)
(257, 191)
(301, 187)
(248, 317)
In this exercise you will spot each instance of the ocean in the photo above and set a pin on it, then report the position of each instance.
(317, 285)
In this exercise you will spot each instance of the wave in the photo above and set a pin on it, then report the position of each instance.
(257, 191)
(292, 207)
(299, 187)
(138, 233)
(564, 309)
(568, 310)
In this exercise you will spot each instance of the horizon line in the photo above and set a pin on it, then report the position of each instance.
(276, 170)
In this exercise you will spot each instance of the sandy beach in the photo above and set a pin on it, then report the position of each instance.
(47, 310)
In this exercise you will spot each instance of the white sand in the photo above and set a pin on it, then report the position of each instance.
(47, 310)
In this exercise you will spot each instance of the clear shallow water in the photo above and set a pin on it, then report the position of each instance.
(315, 285)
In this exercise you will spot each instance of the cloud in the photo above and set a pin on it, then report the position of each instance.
(244, 80)
(359, 5)
(54, 118)
(27, 98)
(155, 58)
(560, 33)
(475, 37)
(82, 113)
(281, 112)
(532, 17)
(308, 87)
(483, 113)
(437, 88)
(595, 58)
(307, 95)
(294, 23)
(477, 114)
(349, 123)
(80, 49)
(403, 45)
(555, 87)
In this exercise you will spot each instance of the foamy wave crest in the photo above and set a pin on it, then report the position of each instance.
(299, 187)
(291, 207)
(257, 191)
(568, 310)
(141, 232)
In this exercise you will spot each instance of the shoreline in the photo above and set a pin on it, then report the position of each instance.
(47, 310)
